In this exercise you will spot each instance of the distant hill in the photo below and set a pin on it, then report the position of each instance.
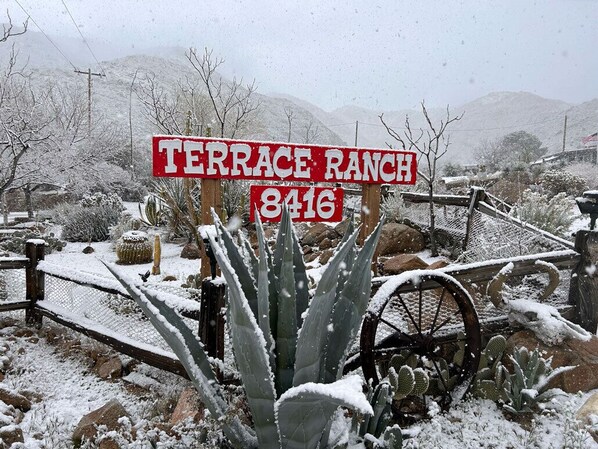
(489, 117)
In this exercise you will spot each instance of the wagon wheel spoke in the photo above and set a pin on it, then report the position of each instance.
(417, 328)
(437, 310)
(420, 309)
(445, 322)
(392, 326)
(440, 375)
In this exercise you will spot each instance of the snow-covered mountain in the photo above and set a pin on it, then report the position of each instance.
(486, 118)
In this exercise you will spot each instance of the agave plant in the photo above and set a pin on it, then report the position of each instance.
(289, 351)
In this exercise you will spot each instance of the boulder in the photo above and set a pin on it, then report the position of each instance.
(17, 400)
(11, 434)
(325, 256)
(588, 415)
(190, 251)
(187, 407)
(317, 233)
(398, 238)
(107, 415)
(401, 263)
(573, 352)
(342, 227)
(111, 368)
(438, 264)
(326, 244)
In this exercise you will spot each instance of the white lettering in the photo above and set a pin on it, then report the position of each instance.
(263, 162)
(404, 167)
(192, 150)
(302, 155)
(282, 172)
(387, 159)
(353, 167)
(241, 153)
(215, 148)
(371, 166)
(334, 158)
(170, 146)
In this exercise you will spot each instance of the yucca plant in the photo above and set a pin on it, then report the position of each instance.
(289, 351)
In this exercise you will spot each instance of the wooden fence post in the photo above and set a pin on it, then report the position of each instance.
(211, 318)
(583, 289)
(34, 280)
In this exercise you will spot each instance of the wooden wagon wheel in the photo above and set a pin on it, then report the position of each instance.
(407, 317)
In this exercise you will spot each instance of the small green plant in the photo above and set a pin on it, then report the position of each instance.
(374, 429)
(290, 356)
(490, 378)
(134, 247)
(152, 213)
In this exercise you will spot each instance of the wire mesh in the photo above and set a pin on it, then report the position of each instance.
(118, 313)
(12, 285)
(491, 238)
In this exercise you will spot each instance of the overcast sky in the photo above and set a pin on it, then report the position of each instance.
(380, 54)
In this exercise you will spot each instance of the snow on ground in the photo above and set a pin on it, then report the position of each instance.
(70, 388)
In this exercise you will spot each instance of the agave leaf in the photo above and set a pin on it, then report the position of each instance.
(303, 412)
(286, 333)
(312, 336)
(251, 354)
(189, 351)
(265, 288)
(252, 258)
(236, 258)
(347, 267)
(349, 310)
(301, 281)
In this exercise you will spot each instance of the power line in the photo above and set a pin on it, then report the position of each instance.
(82, 37)
(468, 129)
(47, 37)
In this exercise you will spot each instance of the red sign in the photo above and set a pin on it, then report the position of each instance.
(199, 157)
(304, 203)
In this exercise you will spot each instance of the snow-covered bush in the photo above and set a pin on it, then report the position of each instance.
(587, 171)
(557, 181)
(290, 356)
(82, 224)
(393, 207)
(551, 213)
(98, 199)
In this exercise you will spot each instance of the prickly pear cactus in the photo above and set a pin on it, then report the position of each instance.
(134, 247)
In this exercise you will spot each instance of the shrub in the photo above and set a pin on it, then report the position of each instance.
(553, 214)
(98, 199)
(557, 181)
(393, 206)
(587, 171)
(82, 224)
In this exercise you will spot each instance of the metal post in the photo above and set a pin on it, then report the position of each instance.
(583, 289)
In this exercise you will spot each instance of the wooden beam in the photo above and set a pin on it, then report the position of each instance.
(13, 263)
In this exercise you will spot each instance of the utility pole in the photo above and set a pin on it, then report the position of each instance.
(89, 73)
(564, 133)
(356, 129)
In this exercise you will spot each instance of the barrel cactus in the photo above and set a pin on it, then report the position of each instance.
(134, 247)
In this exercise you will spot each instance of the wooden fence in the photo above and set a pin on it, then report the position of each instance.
(33, 303)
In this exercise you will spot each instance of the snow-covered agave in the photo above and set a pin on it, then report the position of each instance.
(290, 352)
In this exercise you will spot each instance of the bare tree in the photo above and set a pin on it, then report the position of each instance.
(232, 103)
(288, 111)
(23, 126)
(431, 144)
(312, 131)
(162, 107)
